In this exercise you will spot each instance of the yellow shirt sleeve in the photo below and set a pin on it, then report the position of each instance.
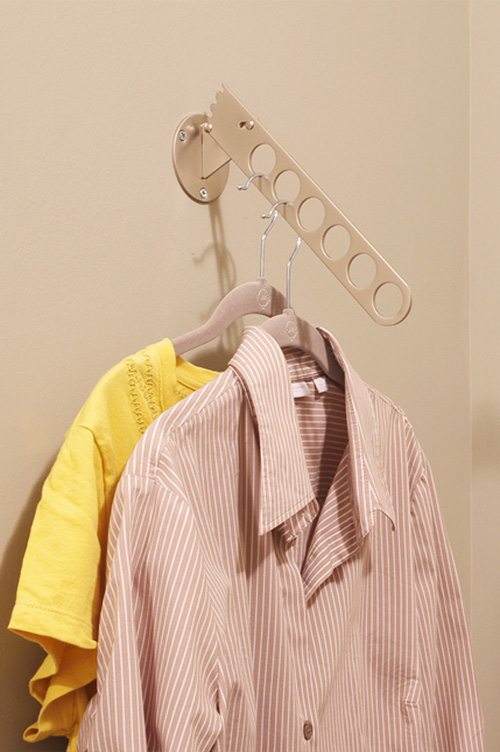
(61, 583)
(62, 577)
(64, 541)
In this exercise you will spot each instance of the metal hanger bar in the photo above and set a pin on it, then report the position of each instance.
(334, 239)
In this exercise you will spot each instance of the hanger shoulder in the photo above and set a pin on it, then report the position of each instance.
(250, 297)
(291, 331)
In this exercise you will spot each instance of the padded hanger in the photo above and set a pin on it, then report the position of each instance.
(261, 297)
(250, 297)
(291, 331)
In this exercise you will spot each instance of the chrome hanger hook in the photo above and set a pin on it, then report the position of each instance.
(273, 208)
(250, 179)
(263, 242)
(289, 270)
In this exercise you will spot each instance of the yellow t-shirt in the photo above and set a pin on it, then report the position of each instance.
(62, 578)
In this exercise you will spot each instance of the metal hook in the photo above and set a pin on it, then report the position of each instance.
(249, 181)
(272, 212)
(263, 242)
(273, 208)
(289, 269)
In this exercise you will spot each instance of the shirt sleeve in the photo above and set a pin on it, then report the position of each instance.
(62, 578)
(158, 651)
(449, 687)
(60, 586)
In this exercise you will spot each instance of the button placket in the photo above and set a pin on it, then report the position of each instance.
(299, 637)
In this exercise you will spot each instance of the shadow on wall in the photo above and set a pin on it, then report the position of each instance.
(217, 355)
(19, 657)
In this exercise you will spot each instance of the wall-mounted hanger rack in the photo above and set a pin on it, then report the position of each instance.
(203, 147)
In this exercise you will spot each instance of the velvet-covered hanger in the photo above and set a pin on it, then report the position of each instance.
(261, 297)
(248, 298)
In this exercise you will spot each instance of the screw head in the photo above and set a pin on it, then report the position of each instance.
(182, 135)
(204, 193)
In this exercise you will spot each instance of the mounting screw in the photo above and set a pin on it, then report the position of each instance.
(182, 135)
(204, 193)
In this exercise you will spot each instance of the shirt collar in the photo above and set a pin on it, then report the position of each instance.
(286, 489)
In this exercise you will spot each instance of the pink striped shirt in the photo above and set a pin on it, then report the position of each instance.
(279, 577)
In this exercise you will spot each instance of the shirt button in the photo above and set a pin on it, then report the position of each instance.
(308, 730)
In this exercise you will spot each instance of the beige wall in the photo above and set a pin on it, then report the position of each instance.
(485, 354)
(103, 253)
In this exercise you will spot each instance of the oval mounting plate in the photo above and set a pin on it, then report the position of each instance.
(190, 149)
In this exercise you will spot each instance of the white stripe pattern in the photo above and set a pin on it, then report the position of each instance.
(257, 601)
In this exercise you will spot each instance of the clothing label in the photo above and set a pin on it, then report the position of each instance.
(300, 389)
(321, 384)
